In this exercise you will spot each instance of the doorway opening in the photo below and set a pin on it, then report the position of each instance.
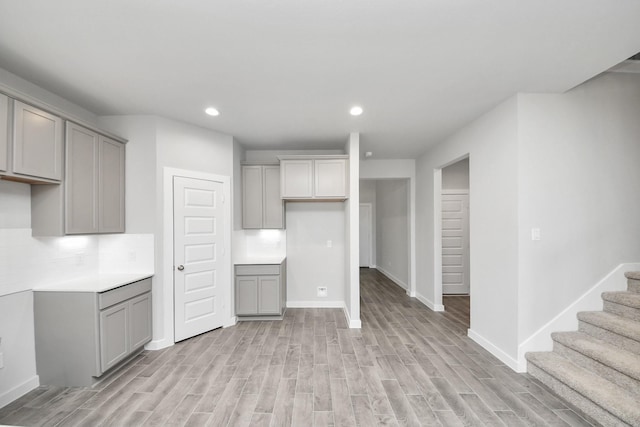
(385, 225)
(455, 235)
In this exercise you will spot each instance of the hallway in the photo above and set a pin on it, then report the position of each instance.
(406, 366)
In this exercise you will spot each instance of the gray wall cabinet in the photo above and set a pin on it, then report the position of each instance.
(260, 291)
(313, 178)
(31, 143)
(82, 335)
(92, 199)
(262, 206)
(4, 131)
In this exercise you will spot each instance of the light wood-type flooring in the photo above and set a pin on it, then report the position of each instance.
(406, 366)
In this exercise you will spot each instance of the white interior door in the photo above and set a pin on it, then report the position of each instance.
(199, 246)
(455, 243)
(366, 222)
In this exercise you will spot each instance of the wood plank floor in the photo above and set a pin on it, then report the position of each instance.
(407, 366)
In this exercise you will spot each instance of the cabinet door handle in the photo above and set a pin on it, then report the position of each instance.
(180, 267)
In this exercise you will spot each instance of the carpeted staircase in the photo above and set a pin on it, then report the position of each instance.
(597, 368)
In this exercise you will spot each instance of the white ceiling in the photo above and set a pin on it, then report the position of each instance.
(283, 73)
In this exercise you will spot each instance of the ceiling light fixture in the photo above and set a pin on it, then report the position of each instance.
(355, 111)
(212, 111)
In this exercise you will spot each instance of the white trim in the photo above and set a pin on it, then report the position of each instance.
(352, 323)
(566, 320)
(158, 344)
(231, 322)
(430, 305)
(493, 349)
(394, 279)
(167, 244)
(19, 391)
(371, 232)
(437, 238)
(315, 304)
(454, 191)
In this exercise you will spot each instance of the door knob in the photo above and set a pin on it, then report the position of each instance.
(180, 267)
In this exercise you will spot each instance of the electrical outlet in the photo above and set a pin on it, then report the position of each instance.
(329, 244)
(322, 291)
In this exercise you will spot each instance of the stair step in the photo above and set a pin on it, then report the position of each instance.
(586, 390)
(619, 366)
(624, 303)
(633, 281)
(616, 330)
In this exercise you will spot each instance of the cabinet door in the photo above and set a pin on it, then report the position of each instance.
(111, 183)
(330, 178)
(37, 144)
(273, 206)
(114, 335)
(246, 295)
(296, 177)
(4, 131)
(269, 295)
(140, 321)
(81, 182)
(252, 197)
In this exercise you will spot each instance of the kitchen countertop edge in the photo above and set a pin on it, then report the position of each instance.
(94, 283)
(260, 260)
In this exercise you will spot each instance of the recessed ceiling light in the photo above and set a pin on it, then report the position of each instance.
(355, 111)
(212, 111)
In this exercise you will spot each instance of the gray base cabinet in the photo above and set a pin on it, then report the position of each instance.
(260, 290)
(82, 335)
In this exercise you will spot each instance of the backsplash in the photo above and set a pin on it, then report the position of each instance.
(259, 243)
(27, 262)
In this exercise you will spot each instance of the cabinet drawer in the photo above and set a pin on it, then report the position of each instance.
(114, 296)
(257, 270)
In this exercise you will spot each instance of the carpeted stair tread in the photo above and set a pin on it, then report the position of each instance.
(621, 360)
(611, 322)
(629, 299)
(635, 275)
(605, 394)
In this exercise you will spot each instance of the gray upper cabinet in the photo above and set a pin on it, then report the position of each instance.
(111, 186)
(262, 206)
(37, 143)
(316, 177)
(92, 199)
(81, 182)
(4, 131)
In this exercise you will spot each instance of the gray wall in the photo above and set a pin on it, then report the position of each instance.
(392, 229)
(456, 176)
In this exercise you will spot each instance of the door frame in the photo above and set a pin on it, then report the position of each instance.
(371, 233)
(167, 255)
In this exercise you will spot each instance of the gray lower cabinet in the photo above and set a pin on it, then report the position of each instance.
(260, 290)
(82, 335)
(4, 131)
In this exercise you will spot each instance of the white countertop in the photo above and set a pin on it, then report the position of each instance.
(259, 259)
(94, 283)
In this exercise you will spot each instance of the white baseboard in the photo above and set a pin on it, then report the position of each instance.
(158, 344)
(567, 320)
(353, 323)
(19, 391)
(493, 349)
(393, 278)
(231, 322)
(429, 303)
(315, 304)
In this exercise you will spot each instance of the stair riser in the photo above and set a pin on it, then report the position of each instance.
(593, 365)
(610, 337)
(622, 310)
(587, 406)
(633, 285)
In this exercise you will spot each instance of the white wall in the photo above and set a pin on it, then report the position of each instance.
(491, 144)
(310, 260)
(352, 233)
(456, 176)
(392, 229)
(578, 183)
